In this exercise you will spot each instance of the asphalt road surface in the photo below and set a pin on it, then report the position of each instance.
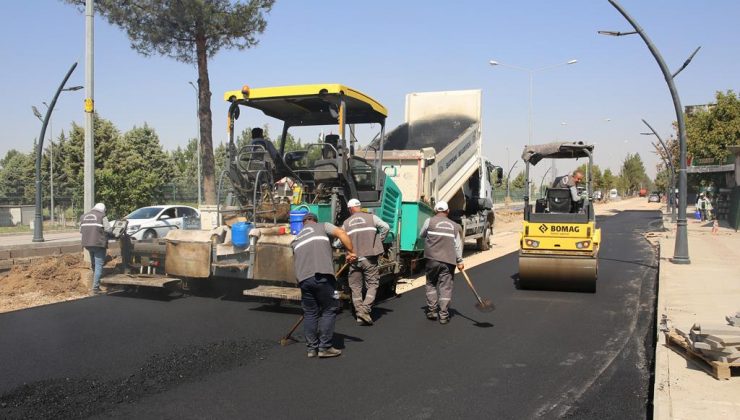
(539, 355)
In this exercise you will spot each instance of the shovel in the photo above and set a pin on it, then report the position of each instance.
(483, 305)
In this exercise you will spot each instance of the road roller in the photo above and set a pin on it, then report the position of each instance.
(559, 244)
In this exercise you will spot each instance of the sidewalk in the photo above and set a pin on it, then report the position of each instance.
(50, 239)
(702, 292)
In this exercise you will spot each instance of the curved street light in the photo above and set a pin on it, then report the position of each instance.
(38, 226)
(51, 148)
(508, 175)
(681, 248)
(669, 165)
(531, 77)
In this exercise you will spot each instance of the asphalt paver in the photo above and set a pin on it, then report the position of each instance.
(540, 354)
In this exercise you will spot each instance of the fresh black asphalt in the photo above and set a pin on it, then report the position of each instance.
(541, 354)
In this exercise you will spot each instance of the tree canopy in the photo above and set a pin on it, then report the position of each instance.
(632, 176)
(710, 132)
(189, 31)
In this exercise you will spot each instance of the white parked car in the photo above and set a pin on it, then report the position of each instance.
(155, 221)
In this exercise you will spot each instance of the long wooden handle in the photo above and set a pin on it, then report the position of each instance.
(341, 269)
(470, 283)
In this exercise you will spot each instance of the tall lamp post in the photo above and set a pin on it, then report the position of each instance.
(38, 226)
(668, 161)
(51, 158)
(531, 84)
(681, 248)
(508, 177)
(197, 150)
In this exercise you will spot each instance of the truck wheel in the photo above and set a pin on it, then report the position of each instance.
(150, 234)
(484, 243)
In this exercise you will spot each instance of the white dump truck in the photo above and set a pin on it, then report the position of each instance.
(436, 156)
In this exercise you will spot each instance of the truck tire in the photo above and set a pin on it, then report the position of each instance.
(484, 243)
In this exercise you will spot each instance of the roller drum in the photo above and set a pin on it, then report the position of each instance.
(562, 273)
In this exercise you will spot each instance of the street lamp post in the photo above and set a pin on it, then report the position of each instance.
(669, 165)
(38, 234)
(508, 177)
(681, 248)
(51, 158)
(51, 166)
(197, 117)
(531, 84)
(51, 149)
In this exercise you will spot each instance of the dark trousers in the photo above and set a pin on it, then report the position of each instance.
(320, 309)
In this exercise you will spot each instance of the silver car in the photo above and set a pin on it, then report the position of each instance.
(155, 221)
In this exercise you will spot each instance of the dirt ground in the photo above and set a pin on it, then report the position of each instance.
(46, 280)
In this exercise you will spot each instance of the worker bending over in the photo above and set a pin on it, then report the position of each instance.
(367, 232)
(443, 250)
(314, 270)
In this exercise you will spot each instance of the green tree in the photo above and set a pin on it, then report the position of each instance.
(17, 175)
(134, 173)
(70, 157)
(633, 176)
(608, 181)
(710, 132)
(185, 163)
(596, 175)
(184, 179)
(189, 31)
(519, 182)
(662, 179)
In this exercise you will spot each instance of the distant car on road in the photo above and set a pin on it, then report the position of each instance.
(654, 197)
(613, 194)
(155, 221)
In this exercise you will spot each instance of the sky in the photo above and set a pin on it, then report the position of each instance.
(388, 49)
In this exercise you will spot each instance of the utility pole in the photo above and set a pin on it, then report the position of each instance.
(197, 118)
(89, 148)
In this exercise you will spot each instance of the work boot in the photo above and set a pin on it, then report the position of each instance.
(97, 291)
(312, 353)
(330, 352)
(432, 315)
(365, 317)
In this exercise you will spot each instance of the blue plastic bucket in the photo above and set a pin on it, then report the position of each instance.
(240, 233)
(296, 220)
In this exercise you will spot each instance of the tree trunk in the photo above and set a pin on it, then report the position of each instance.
(204, 113)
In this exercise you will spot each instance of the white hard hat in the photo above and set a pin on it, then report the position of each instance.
(441, 206)
(354, 203)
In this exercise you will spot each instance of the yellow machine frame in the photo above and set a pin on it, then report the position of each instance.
(559, 250)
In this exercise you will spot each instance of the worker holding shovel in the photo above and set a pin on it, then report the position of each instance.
(443, 251)
(315, 274)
